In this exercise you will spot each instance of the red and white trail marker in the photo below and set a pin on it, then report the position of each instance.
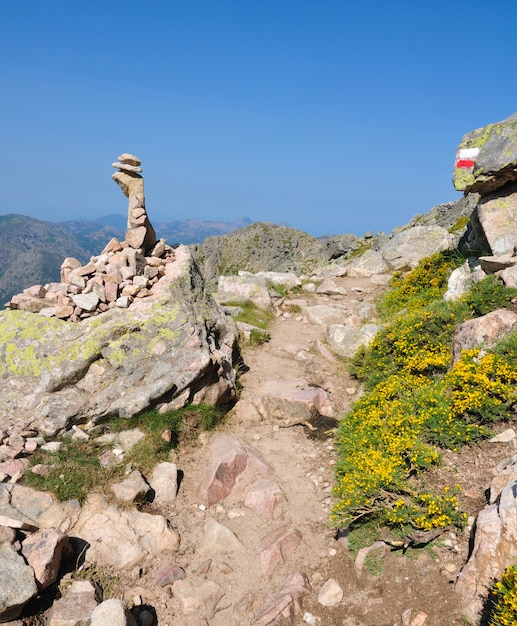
(466, 158)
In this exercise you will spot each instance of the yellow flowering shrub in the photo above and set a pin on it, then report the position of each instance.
(427, 511)
(417, 403)
(504, 599)
(426, 283)
(482, 388)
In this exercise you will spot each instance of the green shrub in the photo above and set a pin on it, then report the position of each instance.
(489, 294)
(421, 286)
(417, 342)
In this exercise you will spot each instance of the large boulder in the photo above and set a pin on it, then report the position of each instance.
(406, 248)
(486, 158)
(484, 331)
(176, 342)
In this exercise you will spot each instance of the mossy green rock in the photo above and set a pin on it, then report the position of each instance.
(122, 362)
(486, 158)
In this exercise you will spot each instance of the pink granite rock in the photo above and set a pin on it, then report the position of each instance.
(43, 551)
(278, 547)
(229, 459)
(264, 497)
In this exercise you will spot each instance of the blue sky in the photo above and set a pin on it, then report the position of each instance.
(332, 116)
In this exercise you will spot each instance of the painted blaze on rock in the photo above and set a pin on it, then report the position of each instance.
(486, 158)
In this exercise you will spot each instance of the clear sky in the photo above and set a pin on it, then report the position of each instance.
(333, 116)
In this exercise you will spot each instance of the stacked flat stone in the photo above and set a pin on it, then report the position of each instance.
(122, 272)
(140, 233)
(113, 279)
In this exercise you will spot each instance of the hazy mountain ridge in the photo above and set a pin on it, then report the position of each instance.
(32, 250)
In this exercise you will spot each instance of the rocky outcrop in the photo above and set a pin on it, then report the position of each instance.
(486, 158)
(175, 343)
(485, 169)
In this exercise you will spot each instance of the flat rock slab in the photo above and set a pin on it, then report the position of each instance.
(322, 314)
(122, 538)
(198, 596)
(345, 340)
(219, 539)
(22, 507)
(292, 399)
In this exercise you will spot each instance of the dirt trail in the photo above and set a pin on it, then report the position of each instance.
(303, 467)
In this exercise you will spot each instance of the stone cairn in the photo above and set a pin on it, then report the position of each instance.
(124, 270)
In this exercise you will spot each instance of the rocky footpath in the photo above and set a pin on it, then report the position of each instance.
(234, 528)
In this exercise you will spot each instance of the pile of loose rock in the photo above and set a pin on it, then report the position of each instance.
(123, 271)
(113, 279)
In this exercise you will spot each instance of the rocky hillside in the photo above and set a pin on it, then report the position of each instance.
(259, 247)
(31, 252)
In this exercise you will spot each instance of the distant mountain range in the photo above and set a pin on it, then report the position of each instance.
(31, 250)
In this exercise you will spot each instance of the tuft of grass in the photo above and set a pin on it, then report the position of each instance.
(75, 471)
(109, 582)
(374, 562)
(252, 314)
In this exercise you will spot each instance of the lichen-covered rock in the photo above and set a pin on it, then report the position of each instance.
(486, 158)
(405, 249)
(176, 340)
